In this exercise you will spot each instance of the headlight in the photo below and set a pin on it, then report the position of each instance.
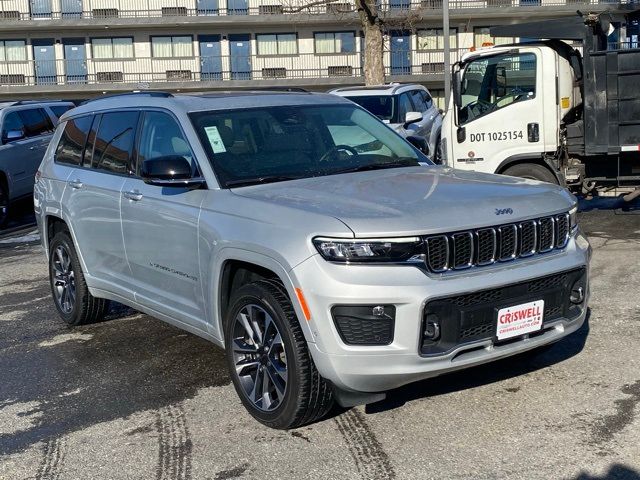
(573, 219)
(369, 250)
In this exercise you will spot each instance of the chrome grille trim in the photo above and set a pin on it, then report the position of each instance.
(488, 245)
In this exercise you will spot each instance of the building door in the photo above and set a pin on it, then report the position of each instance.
(207, 7)
(71, 8)
(75, 60)
(399, 4)
(237, 7)
(240, 50)
(41, 8)
(44, 57)
(210, 59)
(400, 53)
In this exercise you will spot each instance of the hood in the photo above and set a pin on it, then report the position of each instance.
(416, 200)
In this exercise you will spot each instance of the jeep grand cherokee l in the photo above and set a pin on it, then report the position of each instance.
(327, 256)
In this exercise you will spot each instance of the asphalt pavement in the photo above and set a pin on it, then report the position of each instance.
(134, 398)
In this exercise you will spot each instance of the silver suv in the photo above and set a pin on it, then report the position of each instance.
(327, 256)
(25, 130)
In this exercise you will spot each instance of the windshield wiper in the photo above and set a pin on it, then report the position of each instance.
(375, 166)
(243, 182)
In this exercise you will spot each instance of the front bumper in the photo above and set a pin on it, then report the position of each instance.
(378, 368)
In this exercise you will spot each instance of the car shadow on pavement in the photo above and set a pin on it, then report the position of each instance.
(615, 472)
(486, 374)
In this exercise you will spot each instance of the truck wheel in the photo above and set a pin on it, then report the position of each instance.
(4, 207)
(269, 361)
(531, 171)
(437, 155)
(70, 293)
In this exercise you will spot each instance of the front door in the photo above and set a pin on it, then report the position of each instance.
(75, 62)
(160, 229)
(210, 58)
(207, 7)
(240, 49)
(399, 4)
(400, 53)
(41, 8)
(237, 7)
(71, 8)
(44, 57)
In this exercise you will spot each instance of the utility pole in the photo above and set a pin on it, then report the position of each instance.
(447, 53)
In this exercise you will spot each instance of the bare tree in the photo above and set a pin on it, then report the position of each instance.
(374, 22)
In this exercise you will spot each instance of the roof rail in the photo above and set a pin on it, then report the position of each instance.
(152, 93)
(280, 89)
(31, 102)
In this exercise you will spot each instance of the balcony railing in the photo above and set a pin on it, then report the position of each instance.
(16, 10)
(142, 72)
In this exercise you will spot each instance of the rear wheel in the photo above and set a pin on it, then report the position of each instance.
(70, 293)
(437, 155)
(531, 171)
(269, 362)
(4, 206)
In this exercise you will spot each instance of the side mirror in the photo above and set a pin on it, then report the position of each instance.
(169, 171)
(501, 81)
(419, 142)
(412, 117)
(13, 135)
(456, 87)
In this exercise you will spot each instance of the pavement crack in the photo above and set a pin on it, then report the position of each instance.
(174, 444)
(371, 460)
(53, 455)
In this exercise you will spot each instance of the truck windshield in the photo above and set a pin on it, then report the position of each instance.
(491, 83)
(381, 106)
(260, 145)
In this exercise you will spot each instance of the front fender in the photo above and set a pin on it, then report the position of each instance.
(214, 305)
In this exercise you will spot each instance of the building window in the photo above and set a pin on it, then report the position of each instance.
(112, 47)
(168, 47)
(277, 44)
(433, 39)
(482, 35)
(13, 51)
(335, 42)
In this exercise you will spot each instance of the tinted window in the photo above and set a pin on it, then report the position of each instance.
(427, 98)
(113, 147)
(160, 137)
(91, 141)
(404, 106)
(418, 101)
(380, 106)
(58, 110)
(12, 122)
(36, 122)
(72, 141)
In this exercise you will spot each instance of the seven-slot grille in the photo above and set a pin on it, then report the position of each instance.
(485, 246)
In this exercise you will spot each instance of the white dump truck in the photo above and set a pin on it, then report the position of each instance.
(543, 110)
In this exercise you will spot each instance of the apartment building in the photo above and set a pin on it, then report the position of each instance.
(81, 48)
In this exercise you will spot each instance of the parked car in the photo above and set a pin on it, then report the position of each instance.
(328, 270)
(26, 128)
(409, 109)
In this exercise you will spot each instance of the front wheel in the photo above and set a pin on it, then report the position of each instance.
(269, 361)
(4, 206)
(70, 293)
(531, 171)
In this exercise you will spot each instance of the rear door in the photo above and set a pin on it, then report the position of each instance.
(160, 228)
(423, 127)
(93, 200)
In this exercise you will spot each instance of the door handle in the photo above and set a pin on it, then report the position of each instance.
(133, 195)
(32, 148)
(75, 184)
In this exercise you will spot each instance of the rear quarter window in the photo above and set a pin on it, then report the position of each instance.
(36, 122)
(72, 142)
(59, 110)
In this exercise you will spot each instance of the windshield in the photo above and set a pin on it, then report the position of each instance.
(495, 82)
(382, 107)
(261, 145)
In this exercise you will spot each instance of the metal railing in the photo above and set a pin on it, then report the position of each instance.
(16, 10)
(146, 71)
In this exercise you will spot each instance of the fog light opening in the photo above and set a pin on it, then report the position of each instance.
(431, 328)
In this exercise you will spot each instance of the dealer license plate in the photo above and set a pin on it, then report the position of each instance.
(520, 319)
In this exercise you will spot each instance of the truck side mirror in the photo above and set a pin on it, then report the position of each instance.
(456, 86)
(501, 82)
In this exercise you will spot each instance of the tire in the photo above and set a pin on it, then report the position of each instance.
(296, 396)
(531, 171)
(70, 293)
(4, 206)
(437, 155)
